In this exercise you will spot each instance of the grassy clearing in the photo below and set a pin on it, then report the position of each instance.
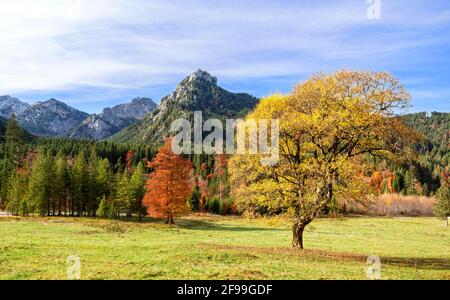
(212, 247)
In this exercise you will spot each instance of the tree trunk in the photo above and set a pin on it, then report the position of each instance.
(297, 234)
(170, 219)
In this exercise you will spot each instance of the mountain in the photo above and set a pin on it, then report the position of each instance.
(51, 118)
(197, 92)
(10, 105)
(434, 126)
(112, 120)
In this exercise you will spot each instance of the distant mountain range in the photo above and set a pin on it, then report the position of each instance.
(139, 121)
(53, 118)
(10, 105)
(112, 120)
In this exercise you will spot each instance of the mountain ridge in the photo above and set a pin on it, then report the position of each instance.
(11, 105)
(113, 119)
(54, 118)
(196, 92)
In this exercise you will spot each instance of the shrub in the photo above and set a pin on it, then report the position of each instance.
(213, 205)
(194, 199)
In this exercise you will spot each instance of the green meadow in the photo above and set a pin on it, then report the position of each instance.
(214, 247)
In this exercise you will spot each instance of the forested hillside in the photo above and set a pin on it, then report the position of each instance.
(423, 175)
(2, 128)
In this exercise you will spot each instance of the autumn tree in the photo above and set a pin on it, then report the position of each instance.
(169, 185)
(220, 170)
(325, 124)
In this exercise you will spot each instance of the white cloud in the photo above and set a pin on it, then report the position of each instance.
(63, 44)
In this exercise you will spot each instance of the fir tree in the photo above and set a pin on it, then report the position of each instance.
(137, 186)
(442, 206)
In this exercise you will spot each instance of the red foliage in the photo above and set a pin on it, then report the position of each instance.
(169, 185)
(129, 161)
(204, 193)
(220, 164)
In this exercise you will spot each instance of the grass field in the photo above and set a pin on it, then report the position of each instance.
(212, 247)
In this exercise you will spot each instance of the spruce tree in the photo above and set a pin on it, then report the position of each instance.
(62, 183)
(137, 186)
(39, 194)
(92, 184)
(15, 141)
(104, 179)
(442, 206)
(79, 185)
(15, 193)
(123, 194)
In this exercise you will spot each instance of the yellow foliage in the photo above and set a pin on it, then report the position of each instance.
(326, 124)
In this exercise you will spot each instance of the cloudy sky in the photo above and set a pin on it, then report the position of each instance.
(96, 53)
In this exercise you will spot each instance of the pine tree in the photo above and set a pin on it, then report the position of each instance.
(123, 195)
(137, 186)
(15, 197)
(194, 199)
(104, 208)
(40, 187)
(104, 178)
(93, 192)
(79, 180)
(442, 206)
(15, 141)
(62, 183)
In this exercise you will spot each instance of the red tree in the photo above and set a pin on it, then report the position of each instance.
(169, 185)
(129, 161)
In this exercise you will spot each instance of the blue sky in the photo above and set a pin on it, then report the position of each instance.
(93, 54)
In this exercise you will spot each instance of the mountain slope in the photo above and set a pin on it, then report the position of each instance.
(112, 120)
(2, 128)
(51, 118)
(435, 127)
(197, 92)
(10, 105)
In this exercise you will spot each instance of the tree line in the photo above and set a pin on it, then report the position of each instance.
(63, 177)
(68, 177)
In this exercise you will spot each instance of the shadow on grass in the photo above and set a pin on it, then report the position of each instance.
(188, 224)
(419, 263)
(206, 225)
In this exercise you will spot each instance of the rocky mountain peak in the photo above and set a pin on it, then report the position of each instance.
(11, 105)
(201, 75)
